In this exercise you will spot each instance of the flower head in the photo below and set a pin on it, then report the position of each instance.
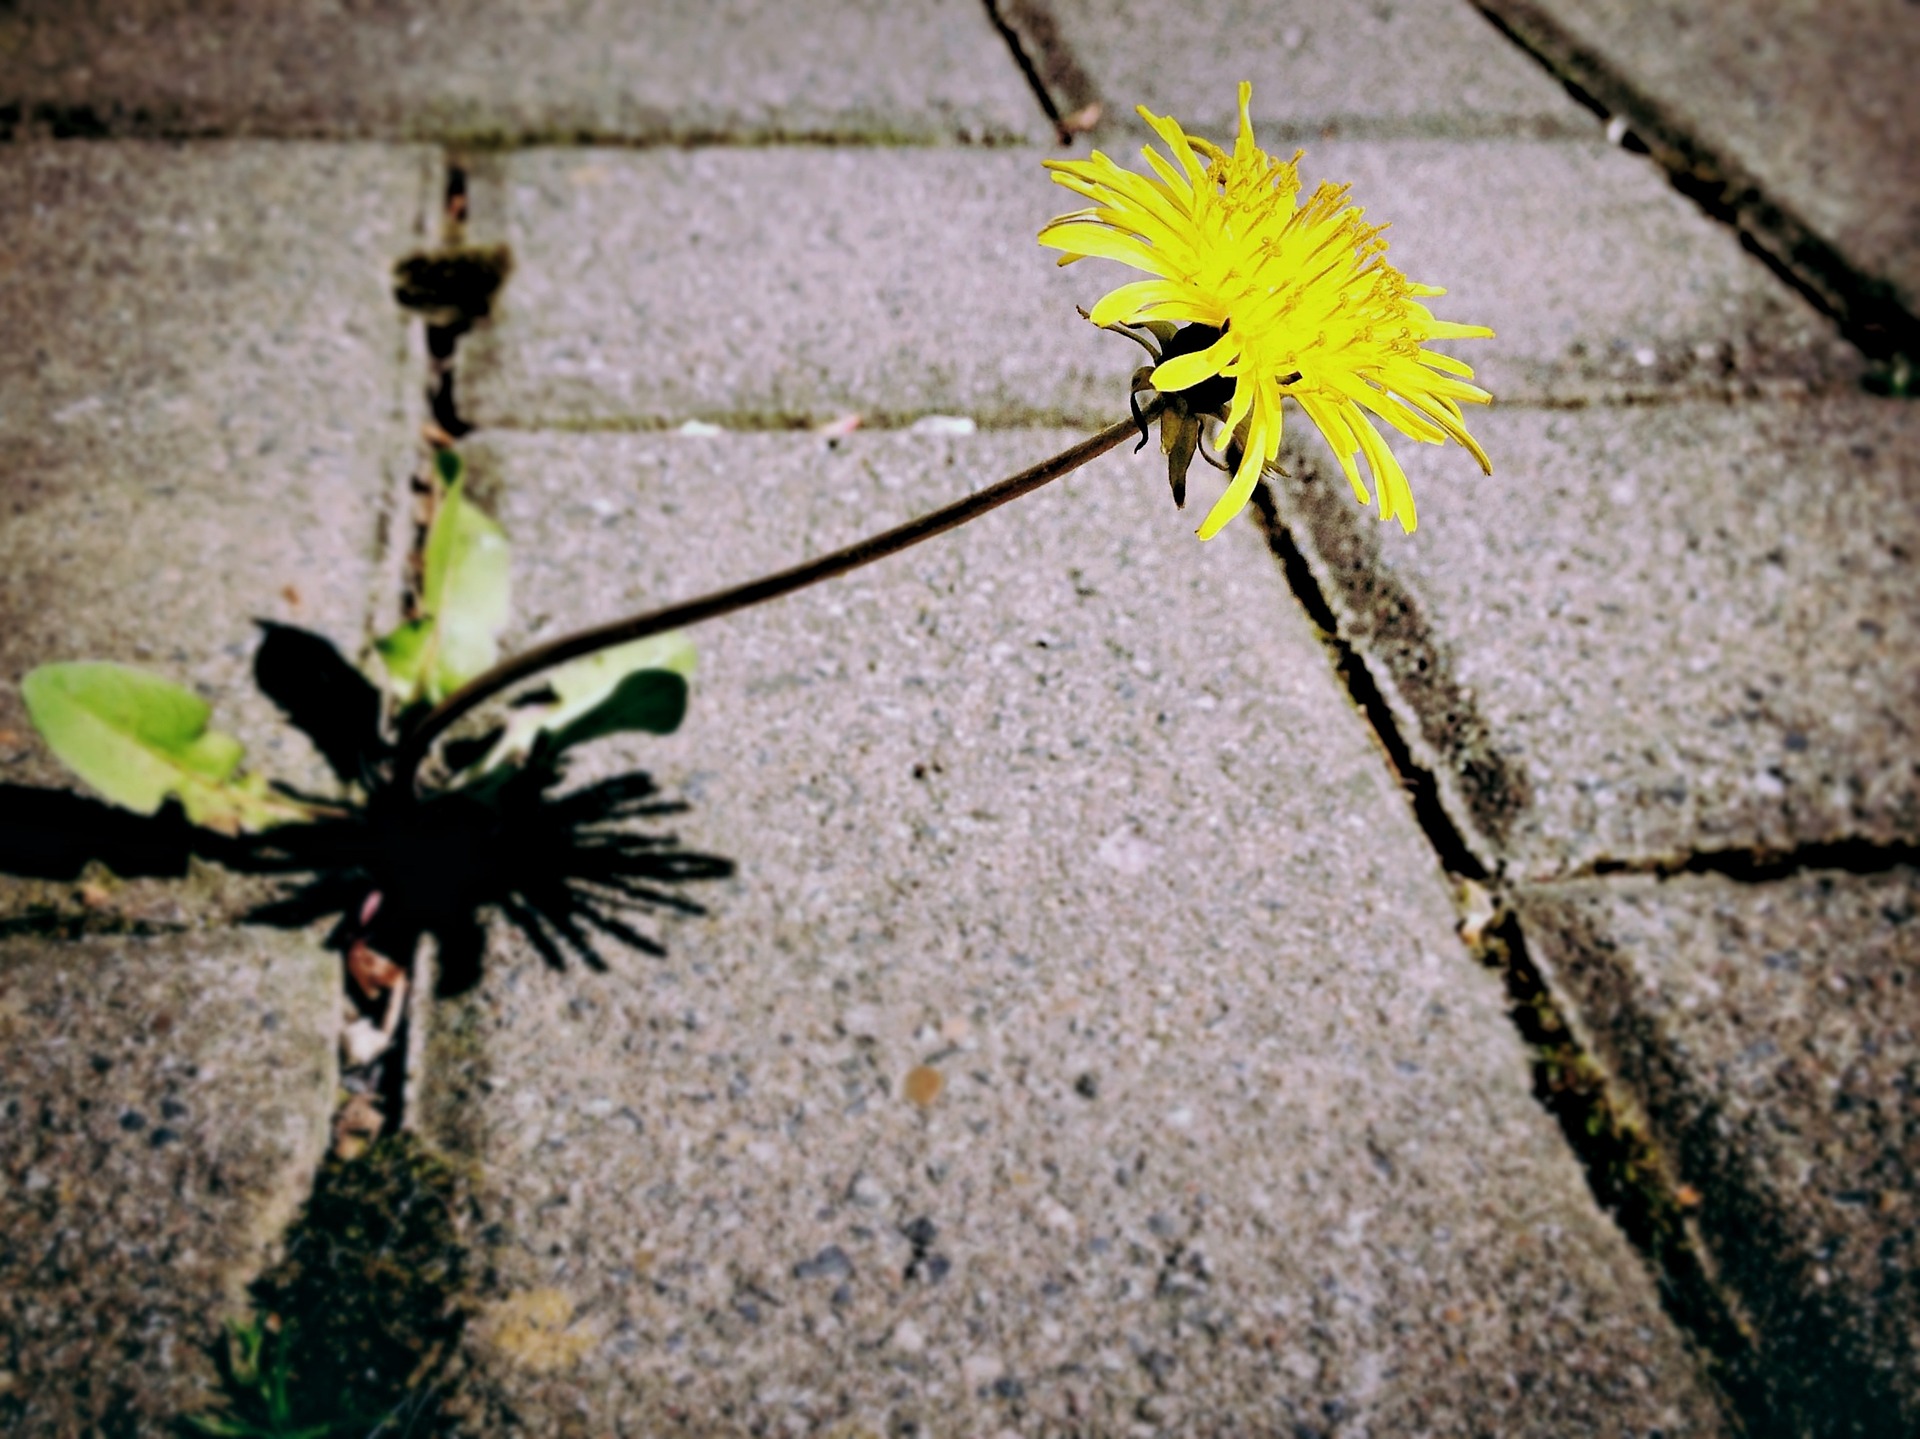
(1289, 299)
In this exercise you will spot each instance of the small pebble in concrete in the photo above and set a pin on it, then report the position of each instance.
(923, 1084)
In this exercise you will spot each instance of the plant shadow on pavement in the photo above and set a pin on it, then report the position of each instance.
(563, 867)
(354, 1328)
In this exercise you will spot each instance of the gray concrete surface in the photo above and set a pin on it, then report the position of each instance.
(1651, 632)
(164, 1102)
(208, 405)
(1069, 809)
(1770, 1030)
(1260, 1145)
(561, 70)
(651, 288)
(1319, 68)
(1802, 115)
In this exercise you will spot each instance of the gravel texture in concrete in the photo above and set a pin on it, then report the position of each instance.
(205, 410)
(1084, 1043)
(1319, 68)
(498, 72)
(765, 287)
(1773, 1034)
(1802, 116)
(1653, 631)
(163, 1104)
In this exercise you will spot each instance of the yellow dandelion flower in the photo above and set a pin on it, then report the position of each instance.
(1279, 299)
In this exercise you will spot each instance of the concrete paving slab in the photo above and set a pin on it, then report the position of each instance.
(1769, 1031)
(1084, 1045)
(1802, 118)
(1320, 68)
(772, 287)
(1602, 284)
(509, 73)
(1653, 631)
(164, 1102)
(207, 411)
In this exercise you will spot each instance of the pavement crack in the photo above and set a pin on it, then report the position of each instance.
(1066, 94)
(1765, 866)
(1420, 783)
(1868, 312)
(47, 922)
(50, 120)
(356, 1328)
(450, 287)
(1626, 1173)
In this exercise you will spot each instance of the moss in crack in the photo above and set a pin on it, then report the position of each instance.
(1625, 1169)
(1623, 1166)
(355, 1327)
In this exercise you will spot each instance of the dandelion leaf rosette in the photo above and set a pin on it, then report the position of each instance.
(139, 739)
(1292, 300)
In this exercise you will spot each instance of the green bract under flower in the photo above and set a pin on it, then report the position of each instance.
(1301, 296)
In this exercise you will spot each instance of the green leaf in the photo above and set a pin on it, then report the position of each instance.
(465, 587)
(404, 653)
(138, 739)
(245, 1340)
(653, 701)
(641, 685)
(222, 1427)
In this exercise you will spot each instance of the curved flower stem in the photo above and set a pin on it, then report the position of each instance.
(413, 746)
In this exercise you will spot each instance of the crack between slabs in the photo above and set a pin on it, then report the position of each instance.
(1629, 1177)
(1762, 866)
(1065, 92)
(449, 287)
(362, 1311)
(1865, 308)
(1624, 1171)
(1420, 783)
(1005, 419)
(22, 123)
(437, 285)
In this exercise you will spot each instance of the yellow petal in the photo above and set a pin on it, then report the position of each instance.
(1239, 406)
(1084, 238)
(1331, 421)
(1447, 364)
(1395, 413)
(1151, 299)
(1183, 372)
(1452, 424)
(1235, 499)
(1169, 130)
(1302, 287)
(1396, 496)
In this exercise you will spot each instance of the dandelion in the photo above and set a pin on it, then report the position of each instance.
(1256, 291)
